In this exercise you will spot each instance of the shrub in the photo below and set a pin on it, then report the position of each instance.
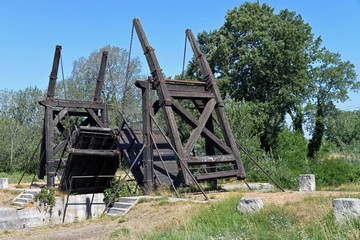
(46, 196)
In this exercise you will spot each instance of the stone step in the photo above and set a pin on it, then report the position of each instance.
(117, 211)
(21, 204)
(128, 199)
(32, 191)
(20, 199)
(27, 195)
(122, 205)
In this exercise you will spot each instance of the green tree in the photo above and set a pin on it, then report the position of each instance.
(331, 80)
(261, 57)
(20, 127)
(81, 83)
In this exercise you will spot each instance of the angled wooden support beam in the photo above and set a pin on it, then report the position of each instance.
(54, 72)
(220, 112)
(195, 134)
(60, 115)
(95, 117)
(190, 119)
(164, 97)
(100, 79)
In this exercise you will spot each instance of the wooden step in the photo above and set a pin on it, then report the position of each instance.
(217, 175)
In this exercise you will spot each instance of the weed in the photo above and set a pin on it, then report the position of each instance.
(120, 231)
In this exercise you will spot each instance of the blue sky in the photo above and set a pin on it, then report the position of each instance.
(31, 29)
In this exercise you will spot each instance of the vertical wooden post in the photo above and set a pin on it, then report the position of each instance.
(48, 121)
(148, 150)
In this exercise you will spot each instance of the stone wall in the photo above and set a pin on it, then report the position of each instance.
(35, 216)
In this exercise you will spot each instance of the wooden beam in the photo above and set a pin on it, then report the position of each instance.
(95, 117)
(191, 95)
(100, 79)
(211, 159)
(54, 72)
(74, 104)
(195, 134)
(205, 132)
(93, 153)
(217, 175)
(59, 116)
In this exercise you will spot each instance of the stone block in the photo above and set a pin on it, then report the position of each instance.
(4, 183)
(346, 209)
(250, 204)
(306, 182)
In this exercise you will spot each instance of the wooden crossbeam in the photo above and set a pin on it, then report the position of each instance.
(190, 119)
(195, 134)
(60, 115)
(95, 117)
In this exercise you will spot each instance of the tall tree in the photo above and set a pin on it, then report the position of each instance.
(332, 78)
(261, 57)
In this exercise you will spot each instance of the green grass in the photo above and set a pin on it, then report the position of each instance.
(14, 177)
(221, 220)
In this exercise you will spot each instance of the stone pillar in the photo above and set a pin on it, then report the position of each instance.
(306, 182)
(250, 204)
(346, 209)
(4, 183)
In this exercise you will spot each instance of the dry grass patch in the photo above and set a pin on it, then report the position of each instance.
(7, 196)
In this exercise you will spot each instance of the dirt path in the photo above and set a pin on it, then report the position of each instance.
(155, 215)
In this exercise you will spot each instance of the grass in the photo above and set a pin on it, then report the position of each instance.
(300, 220)
(14, 177)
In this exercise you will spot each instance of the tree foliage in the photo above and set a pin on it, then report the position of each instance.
(81, 83)
(261, 57)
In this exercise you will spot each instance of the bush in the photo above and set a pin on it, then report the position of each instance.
(123, 191)
(334, 171)
(46, 196)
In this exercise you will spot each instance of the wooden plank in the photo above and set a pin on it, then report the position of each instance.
(217, 175)
(74, 104)
(191, 95)
(211, 159)
(205, 132)
(93, 152)
(49, 149)
(60, 115)
(73, 113)
(54, 72)
(100, 79)
(195, 134)
(95, 117)
(60, 146)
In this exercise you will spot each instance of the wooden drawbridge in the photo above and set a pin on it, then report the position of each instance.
(87, 157)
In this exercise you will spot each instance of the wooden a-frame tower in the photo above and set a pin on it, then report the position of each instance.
(221, 158)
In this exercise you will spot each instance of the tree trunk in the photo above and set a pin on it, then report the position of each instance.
(315, 142)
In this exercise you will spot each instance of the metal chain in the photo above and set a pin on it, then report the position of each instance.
(127, 69)
(183, 67)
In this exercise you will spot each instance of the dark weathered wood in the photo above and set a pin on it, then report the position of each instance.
(75, 104)
(60, 146)
(49, 149)
(60, 115)
(205, 132)
(211, 159)
(190, 95)
(164, 97)
(209, 79)
(95, 117)
(195, 134)
(93, 152)
(100, 79)
(148, 150)
(54, 72)
(217, 175)
(73, 113)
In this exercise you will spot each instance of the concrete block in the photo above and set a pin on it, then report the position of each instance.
(306, 182)
(346, 209)
(4, 183)
(250, 204)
